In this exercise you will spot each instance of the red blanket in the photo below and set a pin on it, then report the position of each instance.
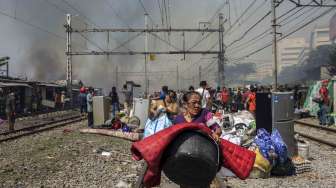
(238, 159)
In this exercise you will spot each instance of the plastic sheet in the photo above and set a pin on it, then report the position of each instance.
(272, 146)
(156, 125)
(279, 146)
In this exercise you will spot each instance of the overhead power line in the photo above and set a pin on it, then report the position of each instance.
(249, 29)
(116, 13)
(91, 22)
(211, 20)
(146, 12)
(239, 18)
(248, 17)
(32, 25)
(65, 12)
(289, 34)
(265, 33)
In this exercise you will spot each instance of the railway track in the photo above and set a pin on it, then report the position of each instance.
(7, 136)
(324, 135)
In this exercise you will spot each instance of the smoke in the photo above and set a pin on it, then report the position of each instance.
(238, 72)
(310, 69)
(43, 62)
(42, 56)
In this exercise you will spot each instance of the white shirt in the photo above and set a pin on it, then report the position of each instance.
(206, 96)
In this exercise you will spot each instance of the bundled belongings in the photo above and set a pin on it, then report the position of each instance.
(272, 146)
(239, 128)
(153, 126)
(119, 134)
(239, 160)
(283, 169)
(262, 167)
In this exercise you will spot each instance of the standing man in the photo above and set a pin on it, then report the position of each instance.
(10, 109)
(89, 101)
(205, 95)
(63, 99)
(238, 99)
(128, 99)
(82, 100)
(114, 101)
(225, 98)
(324, 105)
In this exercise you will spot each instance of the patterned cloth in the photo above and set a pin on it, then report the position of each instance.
(203, 117)
(239, 160)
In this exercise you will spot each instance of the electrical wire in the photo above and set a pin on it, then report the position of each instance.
(117, 14)
(248, 17)
(165, 41)
(211, 20)
(143, 6)
(290, 33)
(92, 23)
(161, 13)
(249, 29)
(265, 33)
(62, 10)
(244, 12)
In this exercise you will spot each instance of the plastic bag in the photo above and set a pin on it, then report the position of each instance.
(156, 125)
(261, 163)
(279, 146)
(265, 144)
(126, 128)
(285, 169)
(272, 147)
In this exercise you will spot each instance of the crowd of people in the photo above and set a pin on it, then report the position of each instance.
(228, 99)
(174, 103)
(197, 105)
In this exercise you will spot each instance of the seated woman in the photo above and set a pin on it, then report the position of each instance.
(195, 114)
(161, 114)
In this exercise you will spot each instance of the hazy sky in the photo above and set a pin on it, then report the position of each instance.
(33, 52)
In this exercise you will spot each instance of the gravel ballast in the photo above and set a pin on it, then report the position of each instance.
(65, 158)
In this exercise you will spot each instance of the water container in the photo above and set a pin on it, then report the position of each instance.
(303, 149)
(192, 160)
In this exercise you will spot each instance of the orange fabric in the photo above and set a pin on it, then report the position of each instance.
(225, 96)
(252, 102)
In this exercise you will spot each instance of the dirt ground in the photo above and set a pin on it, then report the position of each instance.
(64, 157)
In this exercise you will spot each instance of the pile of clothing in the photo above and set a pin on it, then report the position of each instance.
(123, 123)
(238, 128)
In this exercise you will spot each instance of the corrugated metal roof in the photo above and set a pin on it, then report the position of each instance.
(49, 85)
(2, 84)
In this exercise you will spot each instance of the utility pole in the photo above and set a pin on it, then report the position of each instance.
(177, 77)
(116, 77)
(200, 73)
(146, 60)
(220, 76)
(68, 57)
(275, 66)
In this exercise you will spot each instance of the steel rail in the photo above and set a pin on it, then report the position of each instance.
(42, 130)
(39, 125)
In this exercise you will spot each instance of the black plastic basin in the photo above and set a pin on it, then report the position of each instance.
(192, 160)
